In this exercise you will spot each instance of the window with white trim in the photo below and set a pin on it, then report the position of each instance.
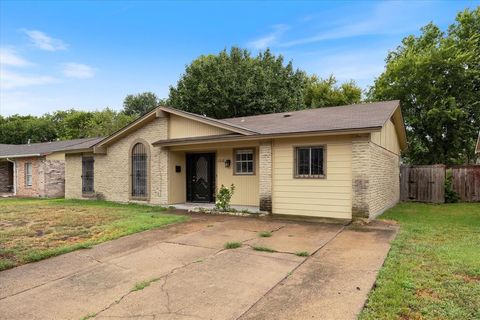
(244, 163)
(28, 174)
(309, 162)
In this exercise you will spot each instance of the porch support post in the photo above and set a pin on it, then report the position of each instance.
(265, 175)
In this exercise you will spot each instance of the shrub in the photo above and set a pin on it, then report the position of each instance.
(224, 196)
(450, 195)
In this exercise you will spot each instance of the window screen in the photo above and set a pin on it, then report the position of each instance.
(244, 163)
(28, 174)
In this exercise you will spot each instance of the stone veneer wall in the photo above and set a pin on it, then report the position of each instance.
(265, 175)
(376, 178)
(54, 178)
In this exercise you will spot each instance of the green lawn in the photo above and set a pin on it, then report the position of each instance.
(35, 229)
(433, 268)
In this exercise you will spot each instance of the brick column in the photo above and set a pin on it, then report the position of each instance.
(360, 177)
(265, 175)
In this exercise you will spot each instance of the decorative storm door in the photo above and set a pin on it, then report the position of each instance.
(200, 177)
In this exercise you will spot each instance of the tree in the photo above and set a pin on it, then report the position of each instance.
(325, 93)
(437, 78)
(72, 124)
(106, 122)
(233, 84)
(18, 129)
(140, 104)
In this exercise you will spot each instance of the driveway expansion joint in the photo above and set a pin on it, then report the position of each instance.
(291, 272)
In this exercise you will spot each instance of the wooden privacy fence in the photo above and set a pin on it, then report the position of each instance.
(427, 183)
(422, 183)
(466, 182)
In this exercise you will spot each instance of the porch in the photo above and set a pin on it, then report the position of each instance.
(197, 171)
(7, 186)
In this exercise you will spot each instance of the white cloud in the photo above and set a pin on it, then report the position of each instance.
(270, 39)
(78, 70)
(9, 57)
(12, 80)
(385, 18)
(45, 42)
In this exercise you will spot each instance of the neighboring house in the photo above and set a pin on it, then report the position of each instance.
(37, 169)
(335, 162)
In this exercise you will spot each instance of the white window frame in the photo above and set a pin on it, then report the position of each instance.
(244, 151)
(28, 174)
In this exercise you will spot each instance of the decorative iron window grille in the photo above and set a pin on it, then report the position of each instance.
(87, 174)
(309, 162)
(139, 171)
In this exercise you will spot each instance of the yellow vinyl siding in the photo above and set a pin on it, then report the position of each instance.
(387, 138)
(328, 197)
(180, 127)
(56, 156)
(177, 189)
(246, 186)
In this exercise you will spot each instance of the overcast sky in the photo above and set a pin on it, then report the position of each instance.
(90, 55)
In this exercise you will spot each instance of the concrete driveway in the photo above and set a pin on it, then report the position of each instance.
(184, 272)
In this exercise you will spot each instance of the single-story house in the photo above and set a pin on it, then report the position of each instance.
(338, 162)
(37, 169)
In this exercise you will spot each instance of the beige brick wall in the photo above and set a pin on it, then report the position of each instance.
(384, 180)
(112, 172)
(265, 175)
(375, 184)
(36, 189)
(73, 176)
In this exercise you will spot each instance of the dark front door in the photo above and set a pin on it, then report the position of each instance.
(200, 177)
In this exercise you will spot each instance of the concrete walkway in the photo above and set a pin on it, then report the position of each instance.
(185, 273)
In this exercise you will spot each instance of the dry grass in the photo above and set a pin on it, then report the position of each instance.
(34, 229)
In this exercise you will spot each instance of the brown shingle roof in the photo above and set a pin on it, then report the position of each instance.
(356, 116)
(11, 150)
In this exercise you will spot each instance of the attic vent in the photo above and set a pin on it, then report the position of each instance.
(286, 115)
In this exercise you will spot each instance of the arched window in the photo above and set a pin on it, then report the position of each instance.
(139, 171)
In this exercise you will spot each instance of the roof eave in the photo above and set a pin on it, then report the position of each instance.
(210, 121)
(214, 139)
(21, 155)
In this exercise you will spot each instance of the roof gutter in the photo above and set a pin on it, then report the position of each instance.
(21, 156)
(167, 143)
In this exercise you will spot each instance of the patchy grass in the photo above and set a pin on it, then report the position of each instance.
(302, 254)
(259, 248)
(265, 234)
(35, 229)
(433, 268)
(143, 284)
(89, 316)
(232, 245)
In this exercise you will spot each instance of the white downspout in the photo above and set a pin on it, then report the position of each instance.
(14, 176)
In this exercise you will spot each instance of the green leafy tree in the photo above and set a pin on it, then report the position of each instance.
(232, 84)
(325, 93)
(106, 122)
(72, 124)
(140, 104)
(18, 129)
(437, 78)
